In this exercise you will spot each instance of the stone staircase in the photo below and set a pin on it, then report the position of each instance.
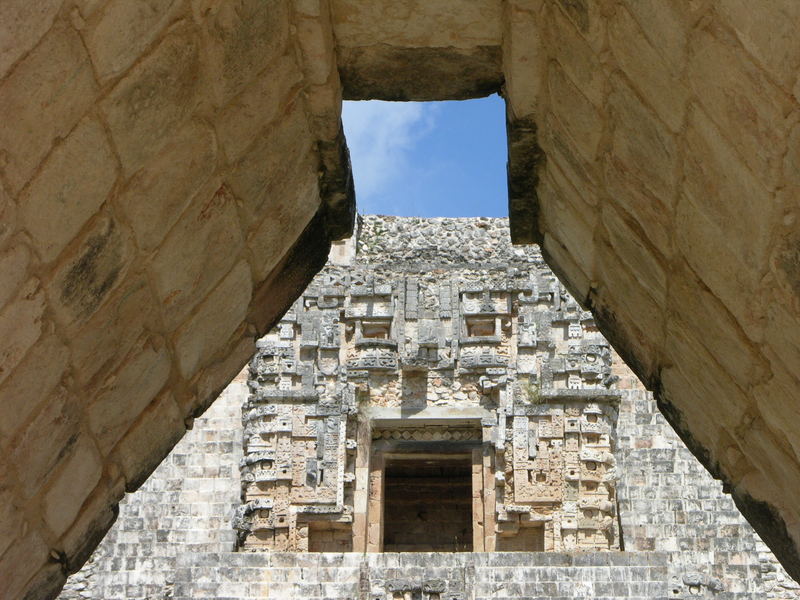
(427, 576)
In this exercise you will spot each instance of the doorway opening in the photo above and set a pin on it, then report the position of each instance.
(428, 505)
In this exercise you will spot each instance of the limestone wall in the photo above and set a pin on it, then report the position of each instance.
(667, 198)
(159, 162)
(184, 508)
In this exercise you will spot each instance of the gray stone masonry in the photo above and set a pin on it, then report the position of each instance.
(442, 319)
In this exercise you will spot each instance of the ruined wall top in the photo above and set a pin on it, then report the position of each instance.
(414, 242)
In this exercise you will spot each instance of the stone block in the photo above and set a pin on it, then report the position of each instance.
(573, 228)
(123, 32)
(767, 31)
(315, 39)
(40, 370)
(202, 246)
(286, 219)
(208, 386)
(48, 92)
(242, 38)
(154, 199)
(634, 249)
(13, 271)
(641, 146)
(68, 189)
(151, 102)
(105, 339)
(29, 550)
(22, 25)
(46, 440)
(728, 278)
(240, 122)
(650, 212)
(573, 171)
(8, 217)
(717, 330)
(98, 515)
(85, 277)
(635, 314)
(667, 26)
(11, 516)
(149, 440)
(659, 83)
(77, 476)
(732, 197)
(20, 325)
(587, 18)
(741, 99)
(575, 113)
(523, 58)
(579, 60)
(268, 166)
(208, 330)
(430, 24)
(126, 393)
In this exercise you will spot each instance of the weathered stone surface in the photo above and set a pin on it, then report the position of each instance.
(243, 37)
(159, 428)
(741, 99)
(202, 247)
(641, 147)
(363, 69)
(151, 102)
(194, 148)
(23, 24)
(258, 106)
(74, 481)
(85, 277)
(216, 319)
(13, 271)
(102, 342)
(418, 23)
(18, 403)
(20, 325)
(47, 93)
(10, 518)
(261, 176)
(642, 63)
(127, 392)
(123, 32)
(296, 206)
(30, 549)
(56, 427)
(69, 188)
(576, 114)
(108, 192)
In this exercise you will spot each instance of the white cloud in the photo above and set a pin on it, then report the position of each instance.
(381, 137)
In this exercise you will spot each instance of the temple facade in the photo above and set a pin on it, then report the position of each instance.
(435, 418)
(484, 388)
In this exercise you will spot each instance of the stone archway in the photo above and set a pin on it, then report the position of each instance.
(169, 186)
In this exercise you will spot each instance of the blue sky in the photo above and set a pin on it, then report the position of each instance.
(429, 159)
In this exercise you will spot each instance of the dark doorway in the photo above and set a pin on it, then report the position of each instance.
(428, 505)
